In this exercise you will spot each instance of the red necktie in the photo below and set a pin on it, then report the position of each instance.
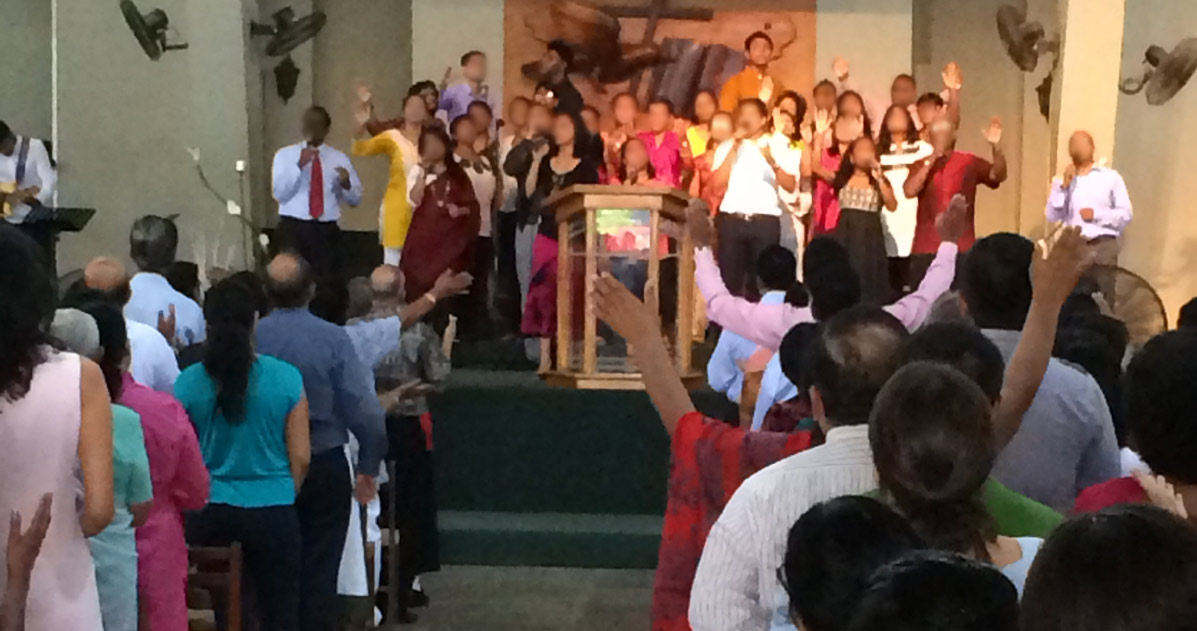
(316, 195)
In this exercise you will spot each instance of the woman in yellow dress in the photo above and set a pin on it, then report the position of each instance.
(398, 140)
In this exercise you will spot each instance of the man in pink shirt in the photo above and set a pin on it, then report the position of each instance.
(663, 144)
(766, 325)
(180, 481)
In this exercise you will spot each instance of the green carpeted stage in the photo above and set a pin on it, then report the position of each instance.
(533, 475)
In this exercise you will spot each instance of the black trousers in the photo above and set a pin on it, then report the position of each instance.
(477, 323)
(323, 508)
(318, 242)
(271, 547)
(507, 281)
(741, 241)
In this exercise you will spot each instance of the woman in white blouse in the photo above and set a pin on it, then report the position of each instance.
(900, 147)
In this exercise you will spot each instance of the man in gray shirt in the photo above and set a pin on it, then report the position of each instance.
(1066, 442)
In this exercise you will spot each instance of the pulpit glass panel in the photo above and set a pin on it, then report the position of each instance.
(624, 247)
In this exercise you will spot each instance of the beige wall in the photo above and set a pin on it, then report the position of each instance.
(1155, 152)
(876, 58)
(126, 122)
(444, 30)
(25, 84)
(355, 48)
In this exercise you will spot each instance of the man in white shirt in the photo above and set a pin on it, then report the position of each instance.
(153, 242)
(311, 181)
(27, 179)
(749, 218)
(152, 360)
(736, 587)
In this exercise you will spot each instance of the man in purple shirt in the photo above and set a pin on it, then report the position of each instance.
(1092, 197)
(456, 99)
(767, 324)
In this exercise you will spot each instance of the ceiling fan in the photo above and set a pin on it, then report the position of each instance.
(1025, 43)
(286, 34)
(150, 29)
(1164, 73)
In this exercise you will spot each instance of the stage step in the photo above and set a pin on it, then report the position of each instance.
(549, 539)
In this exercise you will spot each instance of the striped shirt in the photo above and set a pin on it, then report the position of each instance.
(736, 587)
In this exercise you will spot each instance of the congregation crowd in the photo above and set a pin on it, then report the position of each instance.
(936, 431)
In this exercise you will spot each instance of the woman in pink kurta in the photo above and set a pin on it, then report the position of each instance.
(180, 483)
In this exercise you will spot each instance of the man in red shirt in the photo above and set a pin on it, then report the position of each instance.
(945, 174)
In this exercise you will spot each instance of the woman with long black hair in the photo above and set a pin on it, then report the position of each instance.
(251, 418)
(831, 140)
(862, 192)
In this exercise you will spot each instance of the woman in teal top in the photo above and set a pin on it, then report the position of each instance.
(114, 550)
(251, 418)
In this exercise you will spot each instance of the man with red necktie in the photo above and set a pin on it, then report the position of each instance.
(311, 180)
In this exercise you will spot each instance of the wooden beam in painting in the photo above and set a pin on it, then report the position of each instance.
(656, 11)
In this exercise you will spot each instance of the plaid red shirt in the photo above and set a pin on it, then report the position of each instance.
(710, 461)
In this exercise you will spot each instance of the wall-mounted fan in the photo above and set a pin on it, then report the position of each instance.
(1025, 43)
(1163, 73)
(286, 34)
(150, 29)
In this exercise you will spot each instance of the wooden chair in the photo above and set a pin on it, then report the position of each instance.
(216, 570)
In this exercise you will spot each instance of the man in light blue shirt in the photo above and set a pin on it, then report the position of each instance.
(776, 269)
(153, 242)
(1093, 197)
(1066, 442)
(310, 182)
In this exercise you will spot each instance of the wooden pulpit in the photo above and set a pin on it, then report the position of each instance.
(638, 236)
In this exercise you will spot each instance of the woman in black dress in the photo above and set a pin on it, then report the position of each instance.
(862, 192)
(565, 165)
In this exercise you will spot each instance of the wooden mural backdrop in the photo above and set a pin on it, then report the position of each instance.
(654, 48)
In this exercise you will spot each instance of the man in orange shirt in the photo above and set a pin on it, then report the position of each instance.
(754, 82)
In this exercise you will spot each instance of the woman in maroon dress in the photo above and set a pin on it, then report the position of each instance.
(446, 216)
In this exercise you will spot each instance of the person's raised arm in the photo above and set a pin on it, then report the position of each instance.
(19, 558)
(763, 324)
(1057, 269)
(447, 285)
(912, 310)
(993, 135)
(95, 450)
(286, 174)
(953, 81)
(299, 442)
(630, 318)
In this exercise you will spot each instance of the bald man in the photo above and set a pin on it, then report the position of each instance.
(1093, 197)
(152, 360)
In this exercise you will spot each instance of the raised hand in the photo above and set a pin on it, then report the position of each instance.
(952, 78)
(364, 95)
(840, 67)
(450, 283)
(23, 547)
(621, 310)
(952, 222)
(823, 120)
(993, 132)
(166, 323)
(1160, 493)
(1062, 258)
(362, 114)
(698, 221)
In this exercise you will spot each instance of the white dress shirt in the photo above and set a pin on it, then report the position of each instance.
(292, 184)
(752, 186)
(736, 586)
(152, 361)
(38, 172)
(152, 294)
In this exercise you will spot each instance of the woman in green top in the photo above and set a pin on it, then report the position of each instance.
(114, 551)
(251, 418)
